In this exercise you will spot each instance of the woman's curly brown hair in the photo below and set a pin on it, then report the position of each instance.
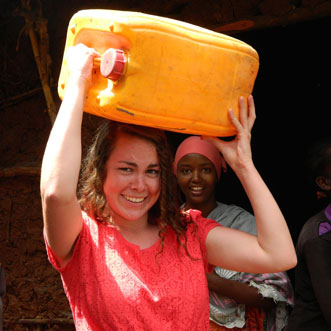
(165, 212)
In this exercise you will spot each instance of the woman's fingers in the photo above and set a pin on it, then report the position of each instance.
(80, 62)
(218, 143)
(247, 114)
(243, 112)
(234, 120)
(251, 112)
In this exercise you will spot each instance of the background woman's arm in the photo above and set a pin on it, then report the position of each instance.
(242, 293)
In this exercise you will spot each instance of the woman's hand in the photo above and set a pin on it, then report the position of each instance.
(80, 64)
(237, 152)
(270, 251)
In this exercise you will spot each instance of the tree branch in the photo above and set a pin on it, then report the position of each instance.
(20, 171)
(40, 51)
(262, 22)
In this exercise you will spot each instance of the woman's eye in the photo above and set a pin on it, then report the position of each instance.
(125, 170)
(153, 171)
(206, 170)
(185, 171)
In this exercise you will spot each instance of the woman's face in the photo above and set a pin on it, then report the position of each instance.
(197, 178)
(132, 185)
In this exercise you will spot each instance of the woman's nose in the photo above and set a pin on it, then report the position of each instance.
(138, 183)
(195, 175)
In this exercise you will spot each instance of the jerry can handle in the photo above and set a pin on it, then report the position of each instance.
(112, 64)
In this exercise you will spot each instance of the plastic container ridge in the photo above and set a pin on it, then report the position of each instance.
(177, 76)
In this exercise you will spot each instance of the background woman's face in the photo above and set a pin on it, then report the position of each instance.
(132, 185)
(197, 178)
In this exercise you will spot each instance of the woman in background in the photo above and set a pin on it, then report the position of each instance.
(238, 300)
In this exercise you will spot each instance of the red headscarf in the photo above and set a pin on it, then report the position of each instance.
(196, 145)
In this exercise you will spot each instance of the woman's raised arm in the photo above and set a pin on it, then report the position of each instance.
(62, 159)
(272, 250)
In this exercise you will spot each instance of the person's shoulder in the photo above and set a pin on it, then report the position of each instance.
(92, 226)
(193, 213)
(314, 228)
(198, 226)
(89, 220)
(194, 216)
(226, 209)
(313, 222)
(234, 216)
(238, 209)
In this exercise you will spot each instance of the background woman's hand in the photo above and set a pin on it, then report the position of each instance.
(237, 152)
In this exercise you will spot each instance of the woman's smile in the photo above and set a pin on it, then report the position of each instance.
(196, 189)
(133, 199)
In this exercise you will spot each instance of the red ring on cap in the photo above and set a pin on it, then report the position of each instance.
(113, 64)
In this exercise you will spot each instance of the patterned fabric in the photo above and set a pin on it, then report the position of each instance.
(278, 287)
(112, 284)
(228, 313)
(254, 321)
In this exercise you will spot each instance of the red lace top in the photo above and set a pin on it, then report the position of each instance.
(112, 284)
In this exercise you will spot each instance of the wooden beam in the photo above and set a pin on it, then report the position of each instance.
(41, 321)
(296, 15)
(40, 51)
(20, 171)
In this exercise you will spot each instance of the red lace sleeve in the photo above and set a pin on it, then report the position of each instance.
(203, 226)
(52, 257)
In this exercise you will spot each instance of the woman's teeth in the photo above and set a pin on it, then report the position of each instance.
(196, 188)
(133, 199)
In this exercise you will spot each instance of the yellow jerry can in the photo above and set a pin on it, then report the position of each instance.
(161, 72)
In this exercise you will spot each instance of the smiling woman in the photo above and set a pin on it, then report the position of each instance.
(122, 176)
(129, 258)
(238, 301)
(198, 165)
(132, 185)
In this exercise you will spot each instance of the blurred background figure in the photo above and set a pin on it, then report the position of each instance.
(312, 310)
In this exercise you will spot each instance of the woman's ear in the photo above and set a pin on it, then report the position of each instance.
(323, 183)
